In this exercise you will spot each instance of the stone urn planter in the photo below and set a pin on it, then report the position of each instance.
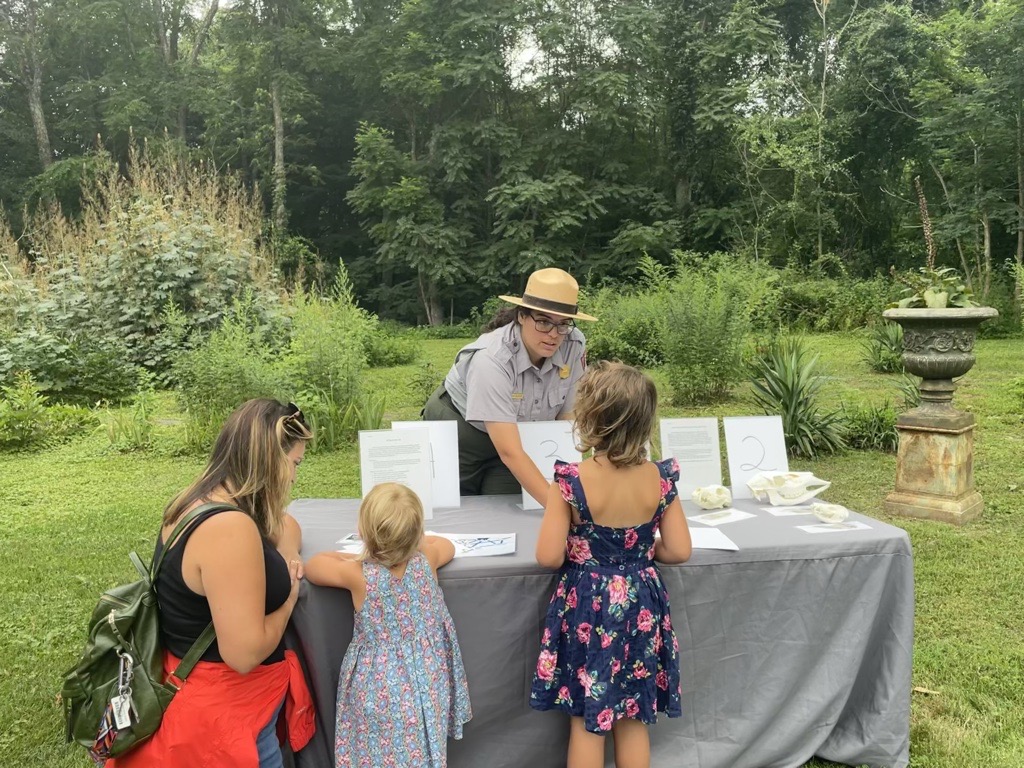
(935, 463)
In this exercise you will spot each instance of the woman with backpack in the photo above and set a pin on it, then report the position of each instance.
(236, 566)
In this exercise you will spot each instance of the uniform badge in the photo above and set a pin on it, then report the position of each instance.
(517, 395)
(563, 372)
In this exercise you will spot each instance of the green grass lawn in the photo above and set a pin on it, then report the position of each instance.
(71, 514)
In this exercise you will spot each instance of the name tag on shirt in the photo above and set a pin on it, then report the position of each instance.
(517, 395)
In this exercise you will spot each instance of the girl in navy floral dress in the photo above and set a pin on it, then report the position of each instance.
(609, 657)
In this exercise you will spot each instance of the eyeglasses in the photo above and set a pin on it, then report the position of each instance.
(544, 325)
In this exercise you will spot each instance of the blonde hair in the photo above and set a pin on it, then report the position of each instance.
(615, 408)
(250, 462)
(390, 524)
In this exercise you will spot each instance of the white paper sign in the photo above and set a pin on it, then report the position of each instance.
(721, 516)
(711, 538)
(397, 456)
(849, 525)
(754, 444)
(788, 511)
(694, 444)
(444, 459)
(481, 544)
(544, 442)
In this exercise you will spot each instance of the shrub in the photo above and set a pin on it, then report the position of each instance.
(785, 382)
(164, 232)
(234, 364)
(77, 368)
(883, 350)
(329, 335)
(819, 303)
(23, 418)
(386, 348)
(423, 381)
(707, 321)
(631, 327)
(872, 427)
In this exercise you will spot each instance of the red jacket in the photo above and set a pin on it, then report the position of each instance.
(216, 716)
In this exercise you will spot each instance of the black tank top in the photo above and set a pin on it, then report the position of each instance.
(185, 614)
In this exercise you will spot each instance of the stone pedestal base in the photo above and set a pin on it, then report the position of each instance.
(935, 468)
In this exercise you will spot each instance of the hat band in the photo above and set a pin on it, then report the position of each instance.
(552, 306)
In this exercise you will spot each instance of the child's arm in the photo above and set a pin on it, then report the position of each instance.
(554, 529)
(439, 551)
(335, 569)
(674, 545)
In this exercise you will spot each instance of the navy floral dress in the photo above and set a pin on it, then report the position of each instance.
(608, 650)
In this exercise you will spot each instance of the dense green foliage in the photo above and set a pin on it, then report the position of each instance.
(443, 150)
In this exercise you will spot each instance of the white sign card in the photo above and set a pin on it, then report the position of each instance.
(754, 444)
(849, 525)
(397, 456)
(721, 516)
(788, 511)
(544, 442)
(711, 538)
(444, 459)
(694, 444)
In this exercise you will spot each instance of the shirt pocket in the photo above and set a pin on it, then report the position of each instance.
(556, 399)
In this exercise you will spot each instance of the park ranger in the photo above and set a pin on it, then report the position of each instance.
(524, 367)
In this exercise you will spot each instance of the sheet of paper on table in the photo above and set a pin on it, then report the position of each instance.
(544, 442)
(721, 516)
(694, 444)
(466, 544)
(711, 538)
(787, 511)
(849, 525)
(444, 459)
(398, 456)
(480, 544)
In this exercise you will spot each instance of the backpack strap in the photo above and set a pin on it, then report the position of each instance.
(180, 528)
(177, 678)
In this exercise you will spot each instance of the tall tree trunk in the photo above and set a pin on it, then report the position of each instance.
(280, 215)
(35, 106)
(986, 282)
(428, 295)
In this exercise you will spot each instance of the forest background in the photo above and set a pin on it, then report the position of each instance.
(443, 149)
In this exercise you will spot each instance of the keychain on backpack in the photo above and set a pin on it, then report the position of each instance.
(118, 714)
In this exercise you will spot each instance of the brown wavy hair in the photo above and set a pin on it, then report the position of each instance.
(615, 409)
(250, 462)
(390, 524)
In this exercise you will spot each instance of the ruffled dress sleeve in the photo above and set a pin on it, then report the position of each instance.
(567, 475)
(669, 469)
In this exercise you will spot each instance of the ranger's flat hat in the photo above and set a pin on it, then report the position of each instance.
(551, 290)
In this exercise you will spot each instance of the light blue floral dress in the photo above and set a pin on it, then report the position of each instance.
(608, 650)
(402, 688)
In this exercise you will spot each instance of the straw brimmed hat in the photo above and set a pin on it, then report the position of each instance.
(551, 290)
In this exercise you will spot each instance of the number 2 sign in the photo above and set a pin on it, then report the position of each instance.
(544, 442)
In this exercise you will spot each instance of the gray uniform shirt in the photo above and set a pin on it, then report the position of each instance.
(493, 379)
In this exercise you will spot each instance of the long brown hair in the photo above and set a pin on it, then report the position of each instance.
(250, 462)
(615, 407)
(503, 316)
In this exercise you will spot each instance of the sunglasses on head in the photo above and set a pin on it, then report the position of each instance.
(294, 415)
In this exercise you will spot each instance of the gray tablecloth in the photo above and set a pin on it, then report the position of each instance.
(797, 645)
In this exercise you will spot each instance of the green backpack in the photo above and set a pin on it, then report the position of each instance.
(115, 697)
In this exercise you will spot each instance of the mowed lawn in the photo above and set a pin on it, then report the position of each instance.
(71, 514)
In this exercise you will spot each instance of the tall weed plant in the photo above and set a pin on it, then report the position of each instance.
(165, 231)
(708, 309)
(786, 382)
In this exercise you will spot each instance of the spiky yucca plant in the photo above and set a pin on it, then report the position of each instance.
(786, 383)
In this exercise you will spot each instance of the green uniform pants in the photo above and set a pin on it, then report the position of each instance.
(481, 471)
